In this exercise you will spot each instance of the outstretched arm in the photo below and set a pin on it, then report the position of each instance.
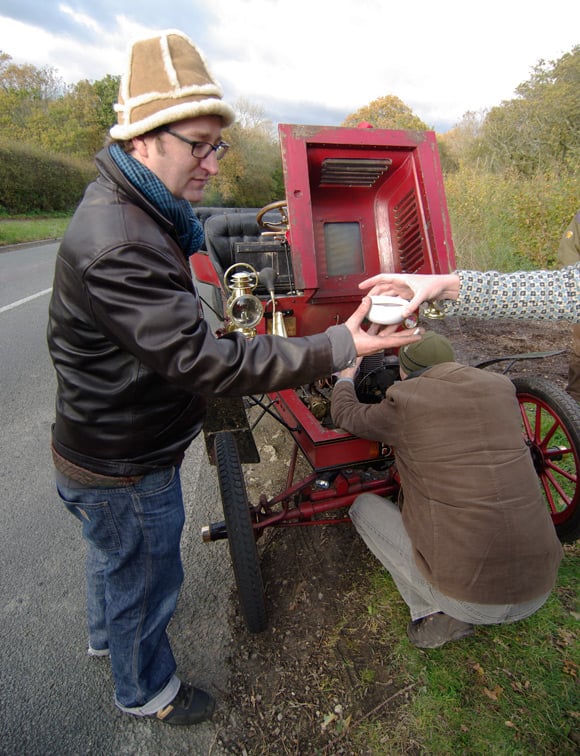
(414, 287)
(523, 295)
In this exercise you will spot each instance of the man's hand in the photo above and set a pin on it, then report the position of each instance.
(415, 287)
(376, 340)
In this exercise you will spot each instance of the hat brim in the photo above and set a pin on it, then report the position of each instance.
(192, 109)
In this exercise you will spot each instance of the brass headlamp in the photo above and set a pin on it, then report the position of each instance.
(243, 309)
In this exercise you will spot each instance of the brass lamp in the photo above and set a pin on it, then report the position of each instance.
(243, 309)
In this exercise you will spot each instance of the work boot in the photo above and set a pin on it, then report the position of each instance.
(190, 706)
(436, 630)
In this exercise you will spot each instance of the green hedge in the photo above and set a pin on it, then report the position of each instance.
(506, 222)
(32, 181)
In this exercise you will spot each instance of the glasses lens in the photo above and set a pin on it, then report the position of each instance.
(221, 150)
(201, 150)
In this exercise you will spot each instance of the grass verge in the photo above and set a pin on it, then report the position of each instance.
(511, 689)
(23, 230)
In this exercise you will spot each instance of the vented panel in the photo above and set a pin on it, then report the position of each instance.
(353, 171)
(408, 233)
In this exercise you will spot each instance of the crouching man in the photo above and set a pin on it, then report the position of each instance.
(471, 541)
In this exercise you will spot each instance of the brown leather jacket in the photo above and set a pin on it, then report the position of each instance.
(134, 357)
(472, 504)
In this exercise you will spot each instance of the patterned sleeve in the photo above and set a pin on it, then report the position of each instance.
(525, 295)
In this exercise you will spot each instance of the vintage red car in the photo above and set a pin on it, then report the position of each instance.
(358, 201)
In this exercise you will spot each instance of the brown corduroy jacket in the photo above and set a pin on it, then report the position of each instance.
(472, 502)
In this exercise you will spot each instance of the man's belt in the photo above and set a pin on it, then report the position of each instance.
(88, 477)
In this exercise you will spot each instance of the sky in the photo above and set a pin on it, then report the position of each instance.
(313, 61)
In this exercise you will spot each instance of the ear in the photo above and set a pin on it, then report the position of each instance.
(140, 146)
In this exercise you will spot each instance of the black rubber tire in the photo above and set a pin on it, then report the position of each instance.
(552, 430)
(241, 536)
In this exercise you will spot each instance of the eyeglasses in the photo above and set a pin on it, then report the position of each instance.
(201, 150)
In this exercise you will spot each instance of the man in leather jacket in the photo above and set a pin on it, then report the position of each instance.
(473, 543)
(136, 362)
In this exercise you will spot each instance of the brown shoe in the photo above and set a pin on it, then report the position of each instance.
(436, 630)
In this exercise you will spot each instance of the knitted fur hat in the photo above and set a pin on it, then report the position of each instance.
(431, 350)
(167, 80)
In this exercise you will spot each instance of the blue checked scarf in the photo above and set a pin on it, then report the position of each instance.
(179, 211)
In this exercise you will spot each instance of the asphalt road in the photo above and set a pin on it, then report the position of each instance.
(54, 699)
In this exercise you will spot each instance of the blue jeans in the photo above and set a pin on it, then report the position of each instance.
(134, 575)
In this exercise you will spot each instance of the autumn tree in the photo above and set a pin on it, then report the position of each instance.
(25, 93)
(42, 84)
(387, 112)
(249, 175)
(38, 108)
(457, 145)
(78, 122)
(539, 129)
